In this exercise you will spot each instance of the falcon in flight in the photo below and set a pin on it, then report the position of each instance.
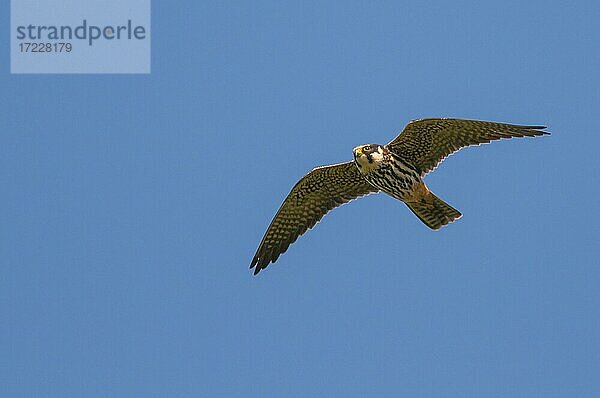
(396, 169)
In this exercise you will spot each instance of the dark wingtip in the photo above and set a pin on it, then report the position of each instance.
(537, 130)
(253, 264)
(257, 264)
(543, 132)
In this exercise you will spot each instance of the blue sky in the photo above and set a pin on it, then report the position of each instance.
(132, 206)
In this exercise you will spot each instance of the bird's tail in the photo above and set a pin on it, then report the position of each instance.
(430, 209)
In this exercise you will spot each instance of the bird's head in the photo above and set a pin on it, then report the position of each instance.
(368, 157)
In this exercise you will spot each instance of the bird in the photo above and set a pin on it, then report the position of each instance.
(396, 169)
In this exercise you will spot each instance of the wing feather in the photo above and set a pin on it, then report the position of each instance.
(318, 192)
(426, 142)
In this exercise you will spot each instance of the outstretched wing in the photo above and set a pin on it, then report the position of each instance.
(321, 190)
(426, 142)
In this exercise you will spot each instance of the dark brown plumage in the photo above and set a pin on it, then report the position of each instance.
(319, 191)
(395, 169)
(426, 142)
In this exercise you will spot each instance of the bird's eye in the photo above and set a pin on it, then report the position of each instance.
(367, 148)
